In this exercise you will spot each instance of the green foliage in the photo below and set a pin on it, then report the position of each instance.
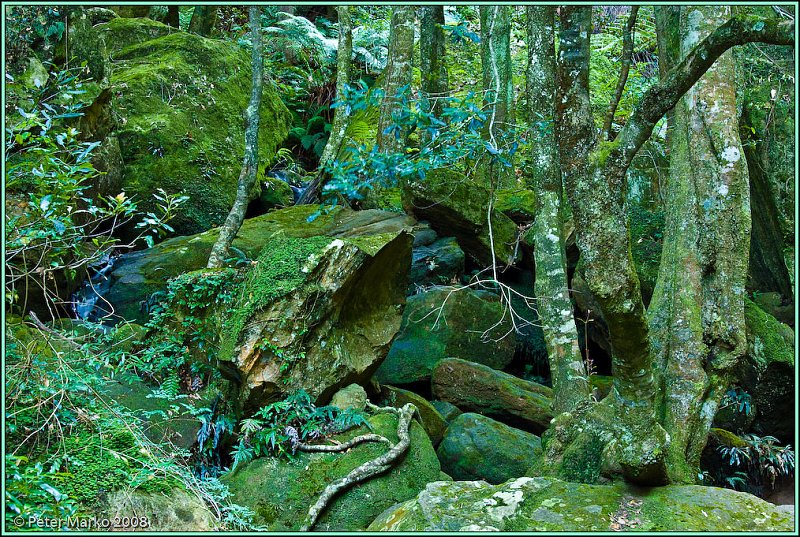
(33, 27)
(62, 226)
(30, 491)
(755, 467)
(737, 398)
(278, 428)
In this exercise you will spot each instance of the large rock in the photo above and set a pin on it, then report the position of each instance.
(544, 504)
(478, 388)
(137, 275)
(177, 511)
(768, 373)
(280, 491)
(465, 315)
(177, 100)
(438, 263)
(432, 421)
(476, 447)
(457, 207)
(317, 312)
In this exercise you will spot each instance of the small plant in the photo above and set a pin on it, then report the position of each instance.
(278, 429)
(756, 466)
(738, 399)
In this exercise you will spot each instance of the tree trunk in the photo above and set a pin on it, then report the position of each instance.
(344, 64)
(697, 312)
(497, 87)
(627, 56)
(570, 378)
(173, 17)
(396, 75)
(433, 68)
(203, 20)
(247, 177)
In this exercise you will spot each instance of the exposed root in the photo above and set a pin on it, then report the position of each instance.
(368, 469)
(343, 446)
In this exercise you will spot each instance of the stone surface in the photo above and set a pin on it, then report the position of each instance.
(280, 491)
(432, 421)
(479, 448)
(176, 102)
(449, 411)
(137, 275)
(457, 207)
(545, 504)
(352, 396)
(422, 342)
(478, 388)
(177, 511)
(438, 263)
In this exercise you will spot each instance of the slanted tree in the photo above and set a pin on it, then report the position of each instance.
(247, 177)
(203, 20)
(568, 372)
(433, 68)
(497, 86)
(628, 431)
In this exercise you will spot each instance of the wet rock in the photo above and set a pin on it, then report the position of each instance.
(438, 263)
(433, 422)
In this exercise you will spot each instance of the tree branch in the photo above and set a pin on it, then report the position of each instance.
(627, 55)
(663, 96)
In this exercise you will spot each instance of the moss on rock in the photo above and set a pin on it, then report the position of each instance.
(178, 98)
(546, 504)
(280, 491)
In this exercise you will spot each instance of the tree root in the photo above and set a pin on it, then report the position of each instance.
(368, 469)
(344, 446)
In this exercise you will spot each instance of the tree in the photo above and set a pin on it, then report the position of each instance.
(570, 378)
(497, 85)
(396, 75)
(628, 430)
(247, 177)
(433, 69)
(344, 67)
(203, 20)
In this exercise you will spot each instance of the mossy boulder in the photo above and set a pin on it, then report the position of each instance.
(432, 421)
(449, 411)
(352, 396)
(178, 100)
(137, 275)
(768, 373)
(275, 194)
(478, 388)
(178, 510)
(519, 204)
(457, 207)
(545, 504)
(319, 312)
(426, 337)
(477, 447)
(280, 491)
(438, 263)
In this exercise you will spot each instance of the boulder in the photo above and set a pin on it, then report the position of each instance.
(280, 491)
(477, 388)
(177, 511)
(422, 341)
(545, 504)
(476, 447)
(438, 263)
(137, 275)
(176, 103)
(457, 207)
(352, 396)
(433, 422)
(316, 312)
(519, 204)
(449, 411)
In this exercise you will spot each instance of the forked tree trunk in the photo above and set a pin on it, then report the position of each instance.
(433, 69)
(570, 378)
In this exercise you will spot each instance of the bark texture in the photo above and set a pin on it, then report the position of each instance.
(433, 69)
(627, 56)
(247, 177)
(396, 75)
(697, 312)
(570, 378)
(203, 20)
(497, 86)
